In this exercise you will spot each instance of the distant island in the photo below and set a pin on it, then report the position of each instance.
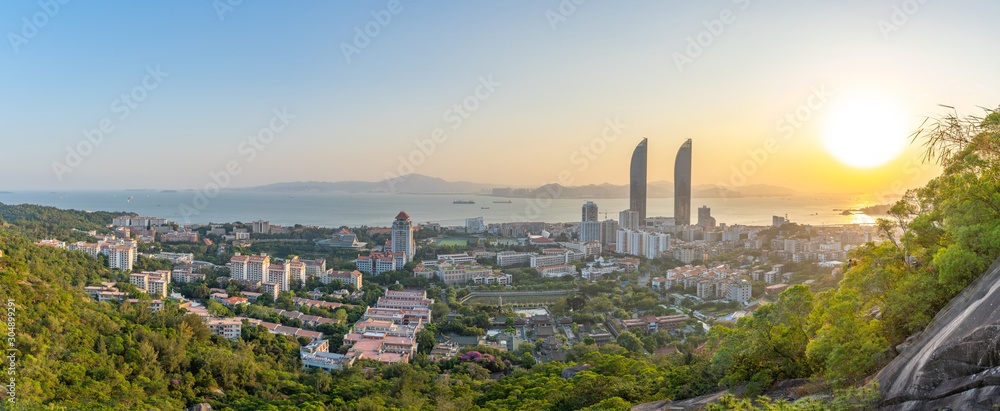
(878, 209)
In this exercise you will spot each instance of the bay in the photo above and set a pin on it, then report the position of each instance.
(379, 209)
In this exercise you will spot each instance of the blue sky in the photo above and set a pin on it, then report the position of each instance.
(561, 79)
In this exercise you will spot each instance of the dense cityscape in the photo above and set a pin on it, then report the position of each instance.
(693, 276)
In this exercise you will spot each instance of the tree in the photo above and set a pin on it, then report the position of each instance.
(340, 315)
(265, 299)
(527, 360)
(439, 310)
(629, 342)
(201, 292)
(846, 346)
(425, 341)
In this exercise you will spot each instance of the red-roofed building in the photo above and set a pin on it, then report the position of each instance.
(234, 301)
(346, 277)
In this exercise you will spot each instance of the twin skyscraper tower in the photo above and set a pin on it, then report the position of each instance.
(682, 183)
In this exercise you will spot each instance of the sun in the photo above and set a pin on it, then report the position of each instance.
(864, 130)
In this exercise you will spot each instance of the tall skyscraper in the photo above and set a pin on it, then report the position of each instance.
(402, 236)
(682, 185)
(637, 182)
(589, 212)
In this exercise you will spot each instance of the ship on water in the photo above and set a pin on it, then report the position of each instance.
(463, 202)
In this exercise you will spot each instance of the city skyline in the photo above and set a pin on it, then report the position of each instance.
(435, 83)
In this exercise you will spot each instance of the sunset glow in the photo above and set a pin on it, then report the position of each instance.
(865, 130)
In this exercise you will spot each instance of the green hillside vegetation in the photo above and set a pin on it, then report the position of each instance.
(939, 238)
(78, 354)
(38, 222)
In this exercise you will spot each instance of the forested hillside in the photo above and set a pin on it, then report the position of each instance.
(37, 222)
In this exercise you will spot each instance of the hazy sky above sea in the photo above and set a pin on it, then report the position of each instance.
(560, 73)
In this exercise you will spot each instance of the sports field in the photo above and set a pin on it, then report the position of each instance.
(455, 242)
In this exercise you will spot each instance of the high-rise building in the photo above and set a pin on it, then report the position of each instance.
(279, 274)
(589, 212)
(608, 229)
(682, 185)
(256, 268)
(628, 220)
(402, 236)
(590, 231)
(262, 227)
(705, 219)
(121, 257)
(637, 182)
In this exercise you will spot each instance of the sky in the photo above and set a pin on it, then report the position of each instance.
(176, 95)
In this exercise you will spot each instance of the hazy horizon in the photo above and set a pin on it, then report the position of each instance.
(552, 91)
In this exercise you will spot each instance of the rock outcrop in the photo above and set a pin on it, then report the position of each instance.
(955, 362)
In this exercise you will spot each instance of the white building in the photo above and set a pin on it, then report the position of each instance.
(590, 231)
(378, 263)
(228, 328)
(630, 242)
(121, 257)
(474, 225)
(278, 273)
(739, 291)
(548, 258)
(655, 244)
(252, 268)
(346, 277)
(628, 220)
(506, 258)
(556, 270)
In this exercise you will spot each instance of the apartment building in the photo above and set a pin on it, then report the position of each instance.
(121, 257)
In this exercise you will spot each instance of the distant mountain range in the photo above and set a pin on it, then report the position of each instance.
(407, 184)
(421, 184)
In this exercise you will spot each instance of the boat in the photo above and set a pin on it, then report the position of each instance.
(502, 202)
(485, 208)
(463, 202)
